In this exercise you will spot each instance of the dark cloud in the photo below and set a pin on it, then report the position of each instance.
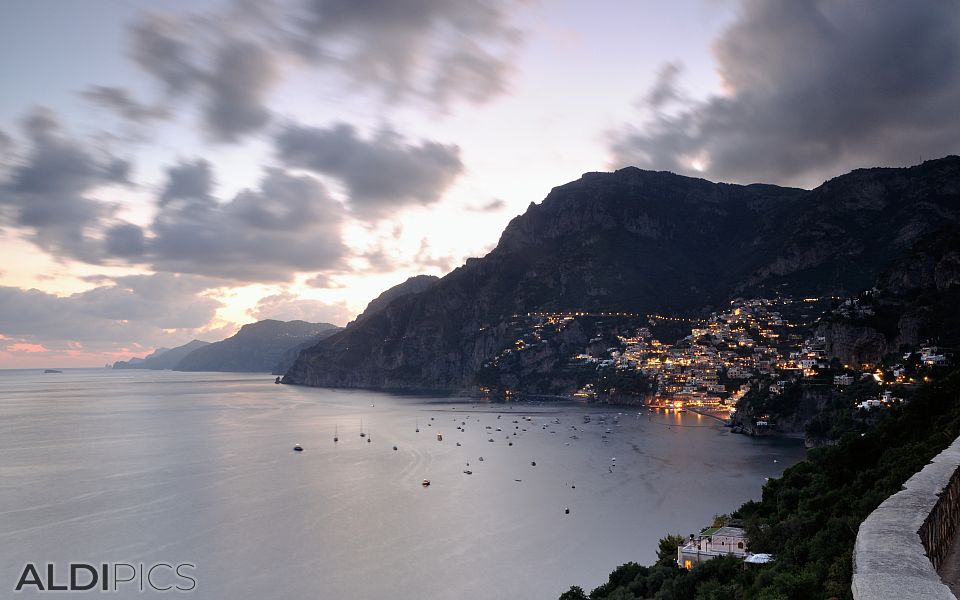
(286, 306)
(231, 75)
(125, 240)
(119, 101)
(434, 49)
(494, 205)
(237, 87)
(813, 89)
(137, 309)
(323, 281)
(289, 224)
(189, 181)
(380, 174)
(163, 48)
(49, 194)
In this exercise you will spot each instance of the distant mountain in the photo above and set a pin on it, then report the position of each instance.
(257, 347)
(643, 242)
(161, 358)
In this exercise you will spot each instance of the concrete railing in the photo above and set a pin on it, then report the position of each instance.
(903, 542)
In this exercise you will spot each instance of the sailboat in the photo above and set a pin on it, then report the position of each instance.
(418, 425)
(362, 434)
(336, 436)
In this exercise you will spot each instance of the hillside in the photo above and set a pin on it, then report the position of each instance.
(162, 358)
(257, 347)
(643, 242)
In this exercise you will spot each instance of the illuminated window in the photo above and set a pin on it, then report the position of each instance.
(688, 564)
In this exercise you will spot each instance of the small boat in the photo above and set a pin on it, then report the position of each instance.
(458, 443)
(481, 459)
(362, 434)
(566, 511)
(425, 482)
(418, 426)
(533, 463)
(468, 472)
(439, 437)
(52, 371)
(394, 448)
(277, 380)
(297, 448)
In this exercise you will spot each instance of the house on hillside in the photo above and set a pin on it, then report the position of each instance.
(711, 543)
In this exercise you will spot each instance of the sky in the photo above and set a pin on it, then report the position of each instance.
(171, 171)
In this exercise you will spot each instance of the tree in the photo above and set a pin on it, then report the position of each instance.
(667, 548)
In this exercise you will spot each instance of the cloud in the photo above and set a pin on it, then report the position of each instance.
(50, 194)
(140, 309)
(285, 306)
(289, 224)
(813, 89)
(119, 101)
(431, 49)
(237, 88)
(494, 205)
(231, 74)
(324, 281)
(188, 181)
(380, 174)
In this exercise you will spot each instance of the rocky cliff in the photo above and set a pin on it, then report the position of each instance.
(643, 242)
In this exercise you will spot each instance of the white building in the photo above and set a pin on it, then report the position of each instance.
(711, 543)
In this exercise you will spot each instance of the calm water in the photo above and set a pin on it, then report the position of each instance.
(138, 466)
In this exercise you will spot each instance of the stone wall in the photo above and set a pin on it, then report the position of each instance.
(901, 544)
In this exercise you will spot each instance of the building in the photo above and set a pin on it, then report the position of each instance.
(711, 543)
(845, 379)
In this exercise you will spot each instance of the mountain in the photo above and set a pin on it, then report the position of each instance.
(413, 285)
(257, 347)
(644, 242)
(161, 358)
(914, 302)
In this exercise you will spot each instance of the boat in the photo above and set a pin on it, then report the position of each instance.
(490, 440)
(481, 459)
(458, 443)
(297, 448)
(439, 437)
(425, 482)
(52, 371)
(566, 511)
(418, 426)
(277, 380)
(362, 434)
(394, 448)
(336, 436)
(468, 472)
(533, 463)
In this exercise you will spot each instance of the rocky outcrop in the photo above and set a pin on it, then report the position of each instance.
(643, 242)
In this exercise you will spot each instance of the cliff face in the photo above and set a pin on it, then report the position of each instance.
(643, 242)
(914, 301)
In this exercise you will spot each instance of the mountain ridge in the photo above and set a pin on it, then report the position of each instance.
(642, 241)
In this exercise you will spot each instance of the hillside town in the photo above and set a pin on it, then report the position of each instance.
(757, 345)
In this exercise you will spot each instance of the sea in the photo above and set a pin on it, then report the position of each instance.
(125, 470)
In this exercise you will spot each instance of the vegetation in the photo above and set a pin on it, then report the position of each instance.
(809, 517)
